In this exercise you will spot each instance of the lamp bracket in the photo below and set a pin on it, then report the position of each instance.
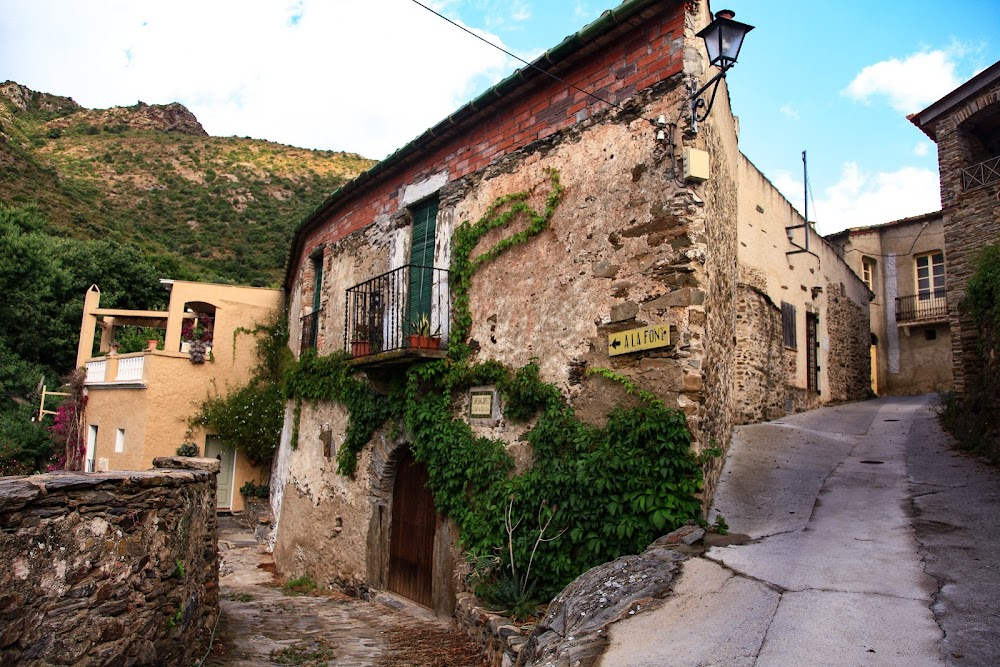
(697, 101)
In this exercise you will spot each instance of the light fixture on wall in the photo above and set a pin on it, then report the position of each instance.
(723, 39)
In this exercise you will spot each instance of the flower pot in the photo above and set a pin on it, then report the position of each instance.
(361, 348)
(423, 342)
(152, 344)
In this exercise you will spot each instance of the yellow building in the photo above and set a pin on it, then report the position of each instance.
(138, 404)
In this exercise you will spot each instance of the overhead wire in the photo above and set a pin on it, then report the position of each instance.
(531, 65)
(893, 254)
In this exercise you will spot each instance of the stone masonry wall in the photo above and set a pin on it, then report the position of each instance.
(760, 357)
(849, 347)
(111, 569)
(971, 221)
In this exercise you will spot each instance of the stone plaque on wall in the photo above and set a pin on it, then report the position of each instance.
(484, 409)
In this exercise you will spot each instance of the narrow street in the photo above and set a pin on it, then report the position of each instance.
(264, 623)
(870, 543)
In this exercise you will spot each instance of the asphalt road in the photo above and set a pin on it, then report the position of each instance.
(872, 543)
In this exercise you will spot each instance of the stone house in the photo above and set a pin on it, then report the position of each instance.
(965, 125)
(904, 264)
(138, 404)
(664, 235)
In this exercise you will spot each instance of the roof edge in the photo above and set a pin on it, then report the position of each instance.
(608, 20)
(923, 119)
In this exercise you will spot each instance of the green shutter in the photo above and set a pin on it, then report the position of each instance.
(422, 260)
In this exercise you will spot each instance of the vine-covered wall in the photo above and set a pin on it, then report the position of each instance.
(554, 248)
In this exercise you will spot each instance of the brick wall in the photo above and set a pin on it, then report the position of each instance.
(614, 71)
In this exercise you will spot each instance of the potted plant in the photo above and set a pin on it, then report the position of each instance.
(361, 341)
(420, 335)
(196, 337)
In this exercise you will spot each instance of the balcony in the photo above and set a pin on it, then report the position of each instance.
(981, 174)
(924, 308)
(398, 316)
(127, 370)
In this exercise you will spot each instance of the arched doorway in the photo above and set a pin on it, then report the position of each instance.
(411, 534)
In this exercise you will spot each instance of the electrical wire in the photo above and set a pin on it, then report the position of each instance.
(894, 254)
(531, 65)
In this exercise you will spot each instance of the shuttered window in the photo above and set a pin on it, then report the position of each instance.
(422, 260)
(788, 325)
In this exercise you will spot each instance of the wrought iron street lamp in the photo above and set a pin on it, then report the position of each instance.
(723, 39)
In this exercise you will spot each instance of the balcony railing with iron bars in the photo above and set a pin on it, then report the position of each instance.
(408, 308)
(981, 174)
(310, 330)
(924, 307)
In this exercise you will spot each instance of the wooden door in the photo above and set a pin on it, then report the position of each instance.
(411, 534)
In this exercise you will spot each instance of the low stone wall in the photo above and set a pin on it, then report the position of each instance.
(498, 635)
(116, 568)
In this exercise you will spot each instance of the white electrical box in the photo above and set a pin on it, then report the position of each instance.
(695, 165)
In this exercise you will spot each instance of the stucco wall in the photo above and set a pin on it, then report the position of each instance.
(155, 412)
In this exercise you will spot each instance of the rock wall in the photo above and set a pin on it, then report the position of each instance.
(760, 357)
(971, 219)
(849, 348)
(109, 568)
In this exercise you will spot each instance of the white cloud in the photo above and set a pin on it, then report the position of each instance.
(790, 111)
(910, 84)
(358, 76)
(861, 198)
(922, 148)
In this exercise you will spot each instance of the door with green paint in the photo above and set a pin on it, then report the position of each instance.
(215, 449)
(422, 261)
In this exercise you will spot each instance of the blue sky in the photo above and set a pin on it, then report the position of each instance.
(833, 78)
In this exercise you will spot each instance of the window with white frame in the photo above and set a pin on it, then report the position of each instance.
(120, 441)
(930, 275)
(868, 270)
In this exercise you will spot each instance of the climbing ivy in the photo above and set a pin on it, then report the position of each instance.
(468, 235)
(250, 416)
(591, 495)
(330, 378)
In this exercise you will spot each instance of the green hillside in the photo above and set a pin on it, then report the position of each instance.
(199, 207)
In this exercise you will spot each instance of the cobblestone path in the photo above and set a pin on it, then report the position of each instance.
(263, 625)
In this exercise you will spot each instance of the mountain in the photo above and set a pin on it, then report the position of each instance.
(205, 208)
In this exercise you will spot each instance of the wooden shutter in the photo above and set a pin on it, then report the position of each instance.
(422, 260)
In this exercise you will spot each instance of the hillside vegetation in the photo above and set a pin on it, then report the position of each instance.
(122, 197)
(198, 207)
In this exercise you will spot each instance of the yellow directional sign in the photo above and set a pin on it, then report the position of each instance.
(635, 340)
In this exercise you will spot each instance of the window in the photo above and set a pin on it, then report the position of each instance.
(868, 268)
(788, 325)
(930, 276)
(120, 441)
(422, 260)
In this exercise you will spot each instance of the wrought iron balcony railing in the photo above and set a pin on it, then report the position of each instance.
(984, 173)
(407, 308)
(310, 330)
(924, 307)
